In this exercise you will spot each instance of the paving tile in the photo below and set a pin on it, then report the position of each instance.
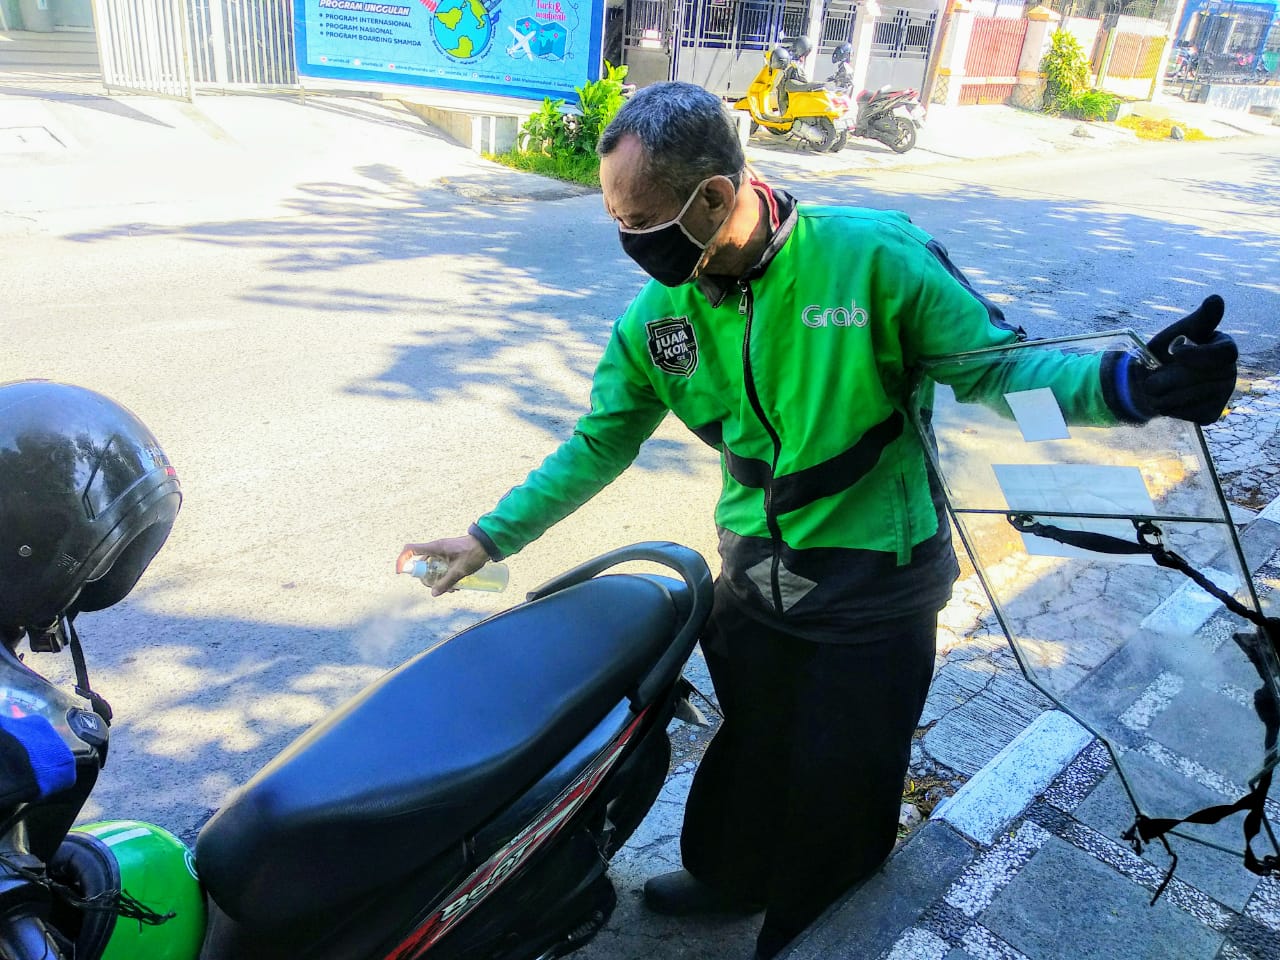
(1220, 875)
(1065, 905)
(871, 919)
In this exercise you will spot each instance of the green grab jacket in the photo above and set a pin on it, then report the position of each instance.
(800, 376)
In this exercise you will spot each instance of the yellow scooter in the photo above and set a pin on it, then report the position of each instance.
(781, 101)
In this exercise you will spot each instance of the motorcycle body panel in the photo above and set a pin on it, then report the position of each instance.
(889, 116)
(781, 102)
(521, 877)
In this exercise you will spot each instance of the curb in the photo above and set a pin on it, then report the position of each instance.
(999, 793)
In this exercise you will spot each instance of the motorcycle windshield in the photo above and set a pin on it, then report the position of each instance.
(1054, 515)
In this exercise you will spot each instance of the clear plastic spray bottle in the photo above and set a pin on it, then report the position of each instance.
(492, 577)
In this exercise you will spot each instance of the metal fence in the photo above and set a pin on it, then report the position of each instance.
(900, 42)
(838, 17)
(1135, 56)
(142, 45)
(903, 34)
(237, 43)
(764, 22)
(749, 25)
(175, 47)
(647, 20)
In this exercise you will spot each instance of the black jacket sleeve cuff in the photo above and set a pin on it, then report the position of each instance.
(490, 547)
(1117, 386)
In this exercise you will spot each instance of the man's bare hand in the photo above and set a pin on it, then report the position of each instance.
(464, 555)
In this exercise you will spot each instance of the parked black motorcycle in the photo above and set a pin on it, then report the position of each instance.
(464, 806)
(893, 117)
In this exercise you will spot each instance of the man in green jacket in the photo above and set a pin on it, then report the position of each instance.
(784, 335)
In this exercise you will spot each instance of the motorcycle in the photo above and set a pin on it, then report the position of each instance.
(892, 117)
(783, 103)
(465, 805)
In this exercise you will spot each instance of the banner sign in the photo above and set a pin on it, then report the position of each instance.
(515, 48)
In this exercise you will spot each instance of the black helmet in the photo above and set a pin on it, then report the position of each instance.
(799, 47)
(779, 58)
(87, 498)
(842, 53)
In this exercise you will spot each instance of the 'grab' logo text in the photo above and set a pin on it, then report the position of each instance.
(850, 316)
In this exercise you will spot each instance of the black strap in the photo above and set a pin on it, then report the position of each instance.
(100, 706)
(1148, 539)
(1093, 542)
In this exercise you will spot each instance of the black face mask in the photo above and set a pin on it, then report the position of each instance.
(668, 252)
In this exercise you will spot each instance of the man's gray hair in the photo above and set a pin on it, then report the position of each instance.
(686, 132)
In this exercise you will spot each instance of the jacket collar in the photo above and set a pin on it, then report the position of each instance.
(780, 209)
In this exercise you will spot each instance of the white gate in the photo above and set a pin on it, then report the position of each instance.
(142, 45)
(242, 43)
(173, 48)
(900, 47)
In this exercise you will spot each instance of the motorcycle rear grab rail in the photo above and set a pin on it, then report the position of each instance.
(691, 567)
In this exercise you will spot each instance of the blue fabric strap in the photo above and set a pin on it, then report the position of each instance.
(42, 763)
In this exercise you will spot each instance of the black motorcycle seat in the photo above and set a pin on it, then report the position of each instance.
(414, 764)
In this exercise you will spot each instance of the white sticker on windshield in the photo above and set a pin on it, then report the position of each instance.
(1045, 489)
(1038, 415)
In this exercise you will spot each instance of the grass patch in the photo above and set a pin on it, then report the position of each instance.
(571, 167)
(1148, 128)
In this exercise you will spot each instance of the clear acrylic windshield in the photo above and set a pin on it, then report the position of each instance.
(1138, 653)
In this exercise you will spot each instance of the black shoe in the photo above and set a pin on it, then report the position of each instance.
(681, 894)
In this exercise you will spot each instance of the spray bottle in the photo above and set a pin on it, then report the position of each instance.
(492, 577)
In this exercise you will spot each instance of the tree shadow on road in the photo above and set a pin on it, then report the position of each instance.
(1063, 267)
(1262, 194)
(510, 284)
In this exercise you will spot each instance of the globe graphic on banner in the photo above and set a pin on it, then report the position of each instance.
(462, 28)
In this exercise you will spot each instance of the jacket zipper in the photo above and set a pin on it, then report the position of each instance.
(746, 308)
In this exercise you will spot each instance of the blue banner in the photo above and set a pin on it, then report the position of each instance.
(515, 48)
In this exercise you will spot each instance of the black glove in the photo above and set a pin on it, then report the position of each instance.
(1195, 378)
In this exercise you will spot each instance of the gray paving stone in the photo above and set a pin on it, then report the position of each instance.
(1065, 905)
(1214, 730)
(977, 708)
(1222, 876)
(1259, 542)
(867, 922)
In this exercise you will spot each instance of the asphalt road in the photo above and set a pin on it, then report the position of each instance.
(374, 354)
(1127, 238)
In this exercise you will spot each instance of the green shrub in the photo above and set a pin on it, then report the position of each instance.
(1066, 72)
(573, 167)
(545, 131)
(1066, 88)
(599, 100)
(561, 142)
(1094, 105)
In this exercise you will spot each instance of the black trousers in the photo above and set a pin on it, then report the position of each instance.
(798, 795)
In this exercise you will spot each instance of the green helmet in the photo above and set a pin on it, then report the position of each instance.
(158, 870)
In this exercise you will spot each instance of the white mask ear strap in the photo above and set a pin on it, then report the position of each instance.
(711, 239)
